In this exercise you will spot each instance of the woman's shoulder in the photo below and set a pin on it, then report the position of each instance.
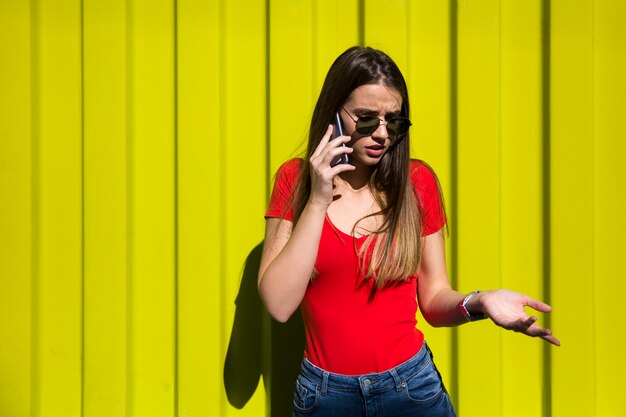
(289, 170)
(284, 183)
(291, 165)
(421, 173)
(426, 185)
(418, 164)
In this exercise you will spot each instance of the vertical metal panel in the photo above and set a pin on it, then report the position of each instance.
(521, 198)
(290, 78)
(380, 17)
(105, 202)
(152, 210)
(479, 197)
(244, 163)
(609, 201)
(15, 208)
(201, 337)
(335, 29)
(571, 213)
(57, 367)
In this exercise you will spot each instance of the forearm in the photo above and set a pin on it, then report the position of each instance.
(284, 281)
(438, 302)
(443, 310)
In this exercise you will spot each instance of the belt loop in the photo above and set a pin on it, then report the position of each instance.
(396, 379)
(324, 390)
(430, 352)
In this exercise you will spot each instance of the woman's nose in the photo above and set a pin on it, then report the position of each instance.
(381, 131)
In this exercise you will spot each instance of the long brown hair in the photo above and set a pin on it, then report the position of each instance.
(395, 254)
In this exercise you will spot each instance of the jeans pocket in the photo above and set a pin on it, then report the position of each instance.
(305, 396)
(425, 386)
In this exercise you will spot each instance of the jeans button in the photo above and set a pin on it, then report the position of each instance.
(367, 383)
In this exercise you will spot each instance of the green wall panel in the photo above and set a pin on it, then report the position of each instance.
(16, 215)
(106, 199)
(571, 194)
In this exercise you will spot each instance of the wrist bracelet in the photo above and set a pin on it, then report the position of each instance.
(462, 307)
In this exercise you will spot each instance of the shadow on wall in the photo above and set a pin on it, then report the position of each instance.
(245, 363)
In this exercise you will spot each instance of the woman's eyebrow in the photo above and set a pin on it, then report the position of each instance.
(363, 110)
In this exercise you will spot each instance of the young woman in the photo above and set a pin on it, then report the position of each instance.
(358, 245)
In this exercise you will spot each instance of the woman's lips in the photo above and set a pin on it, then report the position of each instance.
(374, 151)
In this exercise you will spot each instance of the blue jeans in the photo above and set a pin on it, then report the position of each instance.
(413, 388)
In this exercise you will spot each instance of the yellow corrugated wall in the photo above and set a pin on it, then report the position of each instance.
(138, 139)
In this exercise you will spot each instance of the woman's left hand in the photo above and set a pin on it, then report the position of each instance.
(506, 309)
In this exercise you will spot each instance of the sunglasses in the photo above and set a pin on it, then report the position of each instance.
(366, 125)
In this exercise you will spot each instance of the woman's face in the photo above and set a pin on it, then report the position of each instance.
(376, 100)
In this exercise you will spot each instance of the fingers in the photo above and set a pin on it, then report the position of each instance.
(323, 142)
(521, 325)
(509, 313)
(546, 334)
(328, 150)
(552, 340)
(327, 142)
(538, 305)
(321, 171)
(529, 321)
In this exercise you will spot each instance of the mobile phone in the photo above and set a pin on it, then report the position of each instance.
(338, 131)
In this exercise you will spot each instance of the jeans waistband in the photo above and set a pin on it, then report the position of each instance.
(392, 378)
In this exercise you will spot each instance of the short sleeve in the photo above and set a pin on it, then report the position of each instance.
(283, 189)
(426, 186)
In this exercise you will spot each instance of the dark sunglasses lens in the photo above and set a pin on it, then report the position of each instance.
(398, 126)
(367, 124)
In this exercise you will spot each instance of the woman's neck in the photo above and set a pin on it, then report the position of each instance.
(358, 179)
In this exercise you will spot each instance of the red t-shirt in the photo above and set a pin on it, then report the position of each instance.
(347, 330)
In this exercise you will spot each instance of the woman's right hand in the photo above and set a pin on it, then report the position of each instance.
(322, 173)
(290, 251)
